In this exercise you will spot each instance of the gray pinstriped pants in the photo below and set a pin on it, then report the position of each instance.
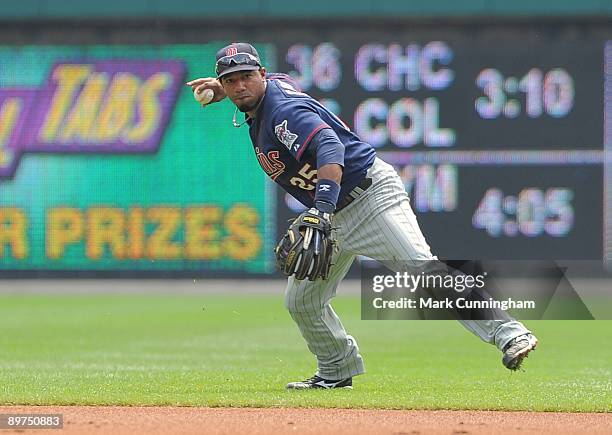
(379, 224)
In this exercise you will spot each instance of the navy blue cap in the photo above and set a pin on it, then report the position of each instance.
(238, 56)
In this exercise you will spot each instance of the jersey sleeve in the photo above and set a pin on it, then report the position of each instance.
(294, 126)
(327, 147)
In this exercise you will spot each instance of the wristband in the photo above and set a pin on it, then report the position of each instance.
(326, 195)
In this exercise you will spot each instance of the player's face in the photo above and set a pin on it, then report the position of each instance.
(245, 88)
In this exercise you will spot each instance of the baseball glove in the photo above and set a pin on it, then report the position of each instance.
(307, 247)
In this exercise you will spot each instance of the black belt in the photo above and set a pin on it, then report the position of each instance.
(354, 194)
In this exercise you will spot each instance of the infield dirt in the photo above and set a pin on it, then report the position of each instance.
(270, 421)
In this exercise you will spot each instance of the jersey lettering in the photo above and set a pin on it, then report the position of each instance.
(270, 163)
(286, 124)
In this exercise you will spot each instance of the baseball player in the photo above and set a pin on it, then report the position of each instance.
(315, 157)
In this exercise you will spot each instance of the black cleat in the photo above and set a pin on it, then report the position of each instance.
(319, 382)
(516, 351)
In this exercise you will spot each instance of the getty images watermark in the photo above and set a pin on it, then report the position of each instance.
(458, 283)
(478, 290)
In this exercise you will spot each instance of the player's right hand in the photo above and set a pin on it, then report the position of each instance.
(198, 85)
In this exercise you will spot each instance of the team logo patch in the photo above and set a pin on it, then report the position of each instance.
(231, 51)
(284, 135)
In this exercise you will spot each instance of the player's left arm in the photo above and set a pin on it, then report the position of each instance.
(330, 171)
(330, 162)
(318, 243)
(302, 130)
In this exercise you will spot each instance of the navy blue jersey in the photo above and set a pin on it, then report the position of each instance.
(286, 122)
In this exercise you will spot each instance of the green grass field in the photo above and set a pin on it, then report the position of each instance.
(241, 350)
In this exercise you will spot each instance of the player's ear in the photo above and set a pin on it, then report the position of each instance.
(262, 71)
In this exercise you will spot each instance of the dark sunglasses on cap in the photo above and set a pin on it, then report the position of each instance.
(235, 60)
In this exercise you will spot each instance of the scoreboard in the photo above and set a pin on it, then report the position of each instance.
(499, 139)
(501, 132)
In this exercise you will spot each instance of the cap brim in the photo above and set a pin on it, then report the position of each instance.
(238, 68)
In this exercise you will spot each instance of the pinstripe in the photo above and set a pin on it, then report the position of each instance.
(319, 324)
(330, 319)
(416, 241)
(318, 344)
(319, 288)
(379, 224)
(331, 346)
